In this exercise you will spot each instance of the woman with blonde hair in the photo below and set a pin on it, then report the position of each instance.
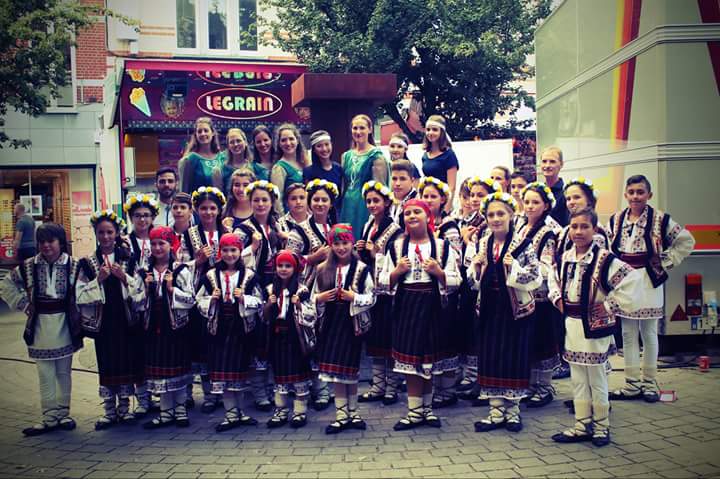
(200, 157)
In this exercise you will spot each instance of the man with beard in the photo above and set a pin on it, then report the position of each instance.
(166, 184)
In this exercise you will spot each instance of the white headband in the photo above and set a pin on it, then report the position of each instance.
(398, 141)
(434, 123)
(320, 138)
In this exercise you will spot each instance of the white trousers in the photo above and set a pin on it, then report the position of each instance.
(55, 382)
(632, 331)
(590, 383)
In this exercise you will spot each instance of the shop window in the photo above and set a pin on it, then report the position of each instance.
(216, 26)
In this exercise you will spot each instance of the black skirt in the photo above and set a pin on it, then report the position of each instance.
(167, 352)
(466, 321)
(118, 347)
(544, 350)
(199, 337)
(289, 365)
(229, 351)
(379, 338)
(339, 349)
(503, 347)
(416, 330)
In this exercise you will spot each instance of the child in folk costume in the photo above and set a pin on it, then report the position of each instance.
(505, 272)
(467, 216)
(291, 336)
(229, 298)
(296, 198)
(238, 207)
(539, 202)
(436, 193)
(309, 240)
(471, 232)
(169, 297)
(43, 288)
(109, 294)
(420, 271)
(379, 232)
(199, 249)
(590, 286)
(142, 210)
(402, 182)
(650, 241)
(579, 195)
(518, 182)
(343, 294)
(262, 238)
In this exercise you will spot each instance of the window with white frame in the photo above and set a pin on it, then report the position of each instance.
(216, 26)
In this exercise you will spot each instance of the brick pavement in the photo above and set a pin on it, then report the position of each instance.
(675, 440)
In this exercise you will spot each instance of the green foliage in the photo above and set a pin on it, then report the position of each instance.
(462, 55)
(34, 36)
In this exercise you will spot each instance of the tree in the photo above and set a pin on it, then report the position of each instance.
(462, 55)
(34, 36)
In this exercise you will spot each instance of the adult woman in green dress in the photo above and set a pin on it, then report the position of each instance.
(236, 156)
(263, 152)
(201, 157)
(364, 162)
(292, 158)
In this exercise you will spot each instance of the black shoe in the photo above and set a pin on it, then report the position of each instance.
(600, 441)
(321, 404)
(477, 402)
(358, 423)
(106, 422)
(367, 397)
(337, 426)
(298, 421)
(189, 403)
(263, 407)
(542, 400)
(405, 425)
(38, 431)
(514, 426)
(209, 406)
(481, 426)
(567, 439)
(390, 399)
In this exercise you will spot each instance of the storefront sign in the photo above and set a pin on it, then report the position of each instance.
(239, 103)
(165, 99)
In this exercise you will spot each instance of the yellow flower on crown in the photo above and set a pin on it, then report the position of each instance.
(328, 186)
(208, 190)
(431, 180)
(498, 196)
(542, 189)
(581, 180)
(264, 185)
(109, 214)
(489, 182)
(378, 187)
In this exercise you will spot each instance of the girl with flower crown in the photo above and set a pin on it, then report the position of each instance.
(420, 271)
(142, 210)
(436, 193)
(472, 229)
(379, 232)
(544, 349)
(505, 272)
(169, 297)
(229, 297)
(296, 198)
(291, 338)
(343, 294)
(238, 207)
(198, 249)
(261, 236)
(109, 294)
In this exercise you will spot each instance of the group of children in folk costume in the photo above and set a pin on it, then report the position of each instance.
(401, 290)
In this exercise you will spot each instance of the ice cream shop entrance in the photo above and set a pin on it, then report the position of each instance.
(161, 99)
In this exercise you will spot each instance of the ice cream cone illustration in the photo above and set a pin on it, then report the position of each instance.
(139, 100)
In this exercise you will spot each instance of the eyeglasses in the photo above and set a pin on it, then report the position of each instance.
(142, 216)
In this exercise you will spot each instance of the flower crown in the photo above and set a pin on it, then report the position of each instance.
(110, 215)
(141, 199)
(263, 185)
(498, 196)
(326, 185)
(211, 190)
(378, 187)
(431, 180)
(489, 182)
(543, 189)
(581, 180)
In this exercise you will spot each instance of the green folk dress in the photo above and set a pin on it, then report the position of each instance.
(198, 171)
(358, 170)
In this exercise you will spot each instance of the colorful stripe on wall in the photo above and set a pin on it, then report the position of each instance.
(626, 30)
(710, 13)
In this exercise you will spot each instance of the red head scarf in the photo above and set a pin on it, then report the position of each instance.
(286, 256)
(229, 239)
(165, 233)
(341, 232)
(426, 208)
